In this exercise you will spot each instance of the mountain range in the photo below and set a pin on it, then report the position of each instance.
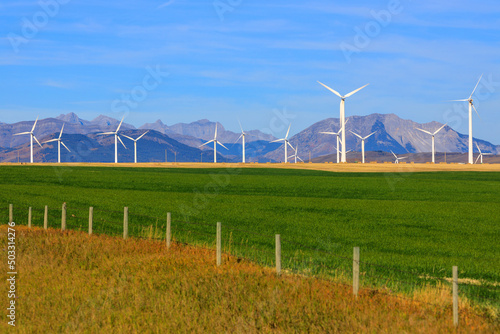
(182, 141)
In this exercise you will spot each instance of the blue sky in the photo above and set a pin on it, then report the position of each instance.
(253, 60)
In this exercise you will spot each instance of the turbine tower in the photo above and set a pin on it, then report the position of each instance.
(433, 142)
(31, 139)
(242, 136)
(397, 159)
(471, 105)
(135, 144)
(481, 154)
(117, 137)
(215, 141)
(59, 142)
(286, 142)
(342, 113)
(363, 143)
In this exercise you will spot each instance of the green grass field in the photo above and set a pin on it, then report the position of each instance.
(409, 226)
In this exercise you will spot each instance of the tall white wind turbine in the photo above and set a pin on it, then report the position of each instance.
(295, 155)
(433, 142)
(286, 142)
(481, 154)
(363, 143)
(135, 144)
(342, 113)
(337, 134)
(215, 141)
(31, 139)
(59, 142)
(397, 159)
(117, 138)
(242, 136)
(471, 105)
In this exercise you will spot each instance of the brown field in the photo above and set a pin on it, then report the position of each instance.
(73, 283)
(332, 167)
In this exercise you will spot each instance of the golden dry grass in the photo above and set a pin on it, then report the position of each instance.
(332, 167)
(70, 282)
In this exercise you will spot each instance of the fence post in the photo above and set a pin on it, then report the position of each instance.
(169, 235)
(46, 218)
(355, 272)
(455, 296)
(91, 219)
(11, 213)
(219, 244)
(125, 222)
(29, 217)
(278, 254)
(63, 217)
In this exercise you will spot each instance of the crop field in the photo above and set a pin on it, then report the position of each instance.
(411, 227)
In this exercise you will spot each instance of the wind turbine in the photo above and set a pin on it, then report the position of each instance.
(397, 159)
(243, 134)
(363, 143)
(116, 139)
(59, 142)
(135, 144)
(433, 143)
(296, 149)
(215, 141)
(342, 113)
(481, 154)
(471, 105)
(31, 139)
(338, 139)
(286, 142)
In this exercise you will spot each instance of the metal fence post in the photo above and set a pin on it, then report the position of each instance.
(125, 222)
(11, 213)
(46, 218)
(169, 232)
(455, 296)
(355, 272)
(63, 217)
(29, 217)
(278, 254)
(91, 219)
(219, 244)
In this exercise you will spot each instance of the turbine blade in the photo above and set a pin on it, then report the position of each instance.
(222, 145)
(371, 134)
(394, 154)
(476, 110)
(106, 133)
(142, 135)
(215, 137)
(240, 126)
(329, 133)
(48, 141)
(477, 159)
(355, 91)
(288, 131)
(290, 145)
(21, 133)
(424, 131)
(128, 137)
(300, 159)
(118, 128)
(458, 100)
(33, 128)
(356, 134)
(476, 86)
(439, 129)
(331, 90)
(478, 148)
(277, 140)
(37, 141)
(121, 141)
(66, 147)
(208, 142)
(60, 134)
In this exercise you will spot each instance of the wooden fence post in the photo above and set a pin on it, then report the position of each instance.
(11, 213)
(455, 296)
(63, 217)
(29, 217)
(125, 222)
(219, 244)
(169, 235)
(91, 219)
(278, 254)
(46, 217)
(355, 272)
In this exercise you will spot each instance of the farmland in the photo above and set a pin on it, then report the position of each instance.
(409, 226)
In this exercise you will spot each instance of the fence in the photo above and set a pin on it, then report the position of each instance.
(269, 250)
